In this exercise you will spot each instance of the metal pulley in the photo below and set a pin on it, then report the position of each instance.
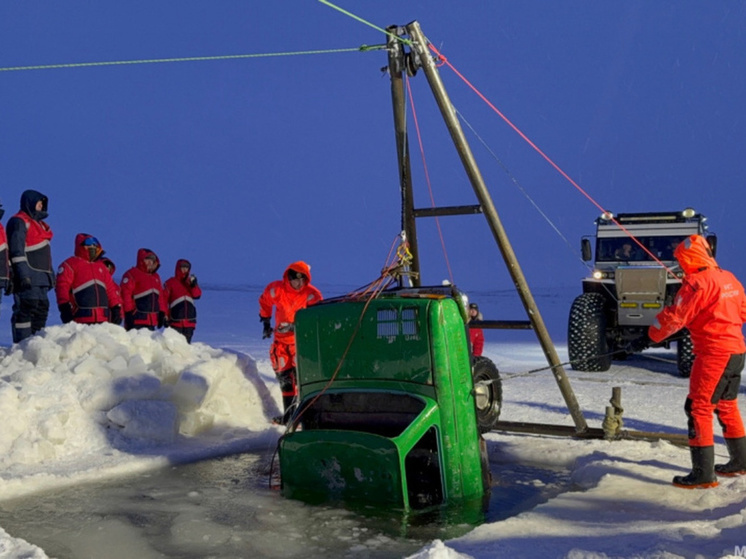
(412, 63)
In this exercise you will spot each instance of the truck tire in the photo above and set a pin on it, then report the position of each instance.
(484, 460)
(586, 334)
(488, 393)
(684, 354)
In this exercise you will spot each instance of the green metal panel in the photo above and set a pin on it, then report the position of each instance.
(342, 465)
(391, 342)
(453, 382)
(352, 465)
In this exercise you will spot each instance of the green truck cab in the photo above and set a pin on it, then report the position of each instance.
(389, 413)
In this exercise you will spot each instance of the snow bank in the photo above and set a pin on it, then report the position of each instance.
(93, 398)
(622, 505)
(18, 548)
(438, 550)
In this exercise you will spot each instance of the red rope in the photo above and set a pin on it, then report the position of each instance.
(444, 61)
(427, 179)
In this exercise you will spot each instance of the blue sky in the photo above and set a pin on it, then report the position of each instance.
(243, 166)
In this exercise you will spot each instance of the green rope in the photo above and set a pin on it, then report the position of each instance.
(361, 20)
(363, 48)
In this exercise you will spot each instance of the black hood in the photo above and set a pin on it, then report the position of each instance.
(28, 204)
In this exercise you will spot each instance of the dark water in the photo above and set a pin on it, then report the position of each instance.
(225, 509)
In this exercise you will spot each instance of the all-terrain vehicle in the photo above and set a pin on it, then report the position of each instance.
(391, 402)
(629, 287)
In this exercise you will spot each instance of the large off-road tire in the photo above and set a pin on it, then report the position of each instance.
(586, 334)
(684, 354)
(488, 393)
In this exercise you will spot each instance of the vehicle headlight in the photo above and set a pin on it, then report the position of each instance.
(603, 274)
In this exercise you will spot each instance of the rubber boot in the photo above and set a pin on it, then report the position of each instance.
(702, 475)
(736, 466)
(288, 403)
(286, 379)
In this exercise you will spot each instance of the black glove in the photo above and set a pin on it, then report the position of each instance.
(9, 288)
(161, 319)
(192, 281)
(641, 343)
(24, 284)
(267, 327)
(129, 320)
(66, 312)
(115, 315)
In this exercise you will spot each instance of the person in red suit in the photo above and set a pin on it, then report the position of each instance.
(711, 304)
(111, 267)
(4, 259)
(86, 292)
(286, 296)
(181, 292)
(106, 261)
(476, 335)
(30, 252)
(143, 298)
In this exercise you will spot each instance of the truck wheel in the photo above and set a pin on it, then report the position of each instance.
(484, 459)
(488, 393)
(586, 334)
(684, 355)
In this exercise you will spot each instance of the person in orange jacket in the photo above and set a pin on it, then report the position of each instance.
(712, 305)
(181, 292)
(143, 298)
(86, 292)
(287, 296)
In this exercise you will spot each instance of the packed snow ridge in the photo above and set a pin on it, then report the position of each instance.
(99, 399)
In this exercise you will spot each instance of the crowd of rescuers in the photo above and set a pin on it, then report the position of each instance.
(84, 286)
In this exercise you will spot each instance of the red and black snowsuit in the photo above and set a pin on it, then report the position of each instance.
(31, 264)
(286, 301)
(111, 267)
(86, 292)
(181, 292)
(476, 337)
(712, 305)
(4, 258)
(143, 298)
